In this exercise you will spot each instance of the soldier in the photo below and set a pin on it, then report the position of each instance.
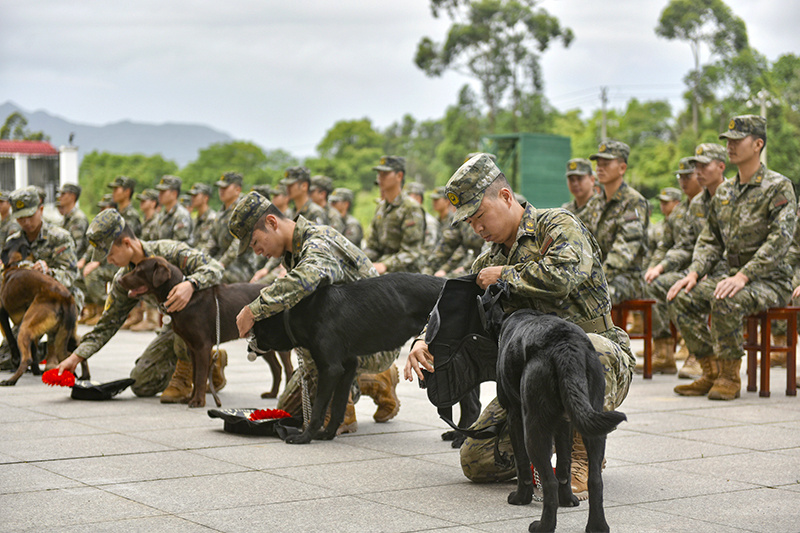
(164, 365)
(397, 230)
(203, 225)
(51, 248)
(297, 181)
(223, 246)
(668, 198)
(460, 245)
(280, 198)
(313, 255)
(668, 264)
(741, 250)
(148, 203)
(7, 224)
(321, 187)
(174, 221)
(342, 200)
(433, 235)
(96, 276)
(75, 220)
(552, 264)
(618, 219)
(580, 181)
(122, 191)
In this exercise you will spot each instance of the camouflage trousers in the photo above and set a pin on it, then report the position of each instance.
(154, 368)
(725, 336)
(779, 326)
(657, 290)
(290, 400)
(627, 286)
(94, 285)
(479, 457)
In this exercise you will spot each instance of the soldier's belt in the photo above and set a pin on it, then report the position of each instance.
(597, 325)
(739, 260)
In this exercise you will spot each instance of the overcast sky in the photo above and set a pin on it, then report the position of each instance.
(282, 73)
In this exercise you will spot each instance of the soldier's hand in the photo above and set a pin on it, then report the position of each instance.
(380, 267)
(653, 273)
(81, 263)
(728, 287)
(440, 273)
(260, 273)
(419, 356)
(179, 296)
(70, 363)
(245, 321)
(90, 266)
(796, 293)
(686, 283)
(488, 275)
(41, 266)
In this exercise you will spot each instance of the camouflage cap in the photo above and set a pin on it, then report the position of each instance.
(342, 194)
(579, 167)
(25, 202)
(473, 154)
(106, 201)
(244, 216)
(670, 194)
(466, 187)
(707, 152)
(685, 165)
(200, 188)
(148, 194)
(744, 125)
(263, 190)
(439, 192)
(70, 187)
(103, 231)
(295, 174)
(230, 178)
(123, 181)
(169, 183)
(185, 200)
(5, 196)
(415, 187)
(391, 163)
(612, 150)
(279, 189)
(321, 182)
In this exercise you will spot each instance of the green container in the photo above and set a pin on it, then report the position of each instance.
(534, 164)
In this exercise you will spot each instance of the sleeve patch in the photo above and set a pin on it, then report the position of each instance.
(546, 245)
(631, 217)
(780, 200)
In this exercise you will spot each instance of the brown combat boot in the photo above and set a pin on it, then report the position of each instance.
(700, 387)
(691, 368)
(90, 311)
(683, 352)
(149, 322)
(95, 318)
(728, 385)
(580, 468)
(218, 370)
(136, 316)
(663, 358)
(180, 386)
(636, 323)
(381, 388)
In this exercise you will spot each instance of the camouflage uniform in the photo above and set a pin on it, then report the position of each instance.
(320, 256)
(459, 247)
(396, 234)
(175, 224)
(76, 222)
(154, 368)
(224, 247)
(577, 167)
(554, 267)
(132, 219)
(7, 227)
(312, 213)
(334, 219)
(150, 225)
(352, 227)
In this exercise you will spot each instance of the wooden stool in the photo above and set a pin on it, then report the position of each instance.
(619, 314)
(753, 345)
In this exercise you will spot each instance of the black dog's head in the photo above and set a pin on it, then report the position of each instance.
(15, 250)
(490, 307)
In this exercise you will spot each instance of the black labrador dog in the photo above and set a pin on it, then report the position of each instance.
(550, 380)
(338, 323)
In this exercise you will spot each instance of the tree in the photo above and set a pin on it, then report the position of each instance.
(497, 42)
(236, 156)
(348, 152)
(702, 21)
(14, 129)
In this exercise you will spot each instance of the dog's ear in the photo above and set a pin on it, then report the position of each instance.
(161, 275)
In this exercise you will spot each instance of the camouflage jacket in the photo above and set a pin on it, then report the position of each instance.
(195, 266)
(553, 267)
(620, 227)
(224, 247)
(312, 213)
(175, 224)
(132, 219)
(396, 234)
(433, 235)
(459, 244)
(573, 208)
(150, 228)
(353, 230)
(334, 218)
(320, 256)
(676, 225)
(203, 229)
(7, 227)
(751, 226)
(54, 246)
(793, 254)
(679, 256)
(76, 222)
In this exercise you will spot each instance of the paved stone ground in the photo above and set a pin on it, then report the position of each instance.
(132, 464)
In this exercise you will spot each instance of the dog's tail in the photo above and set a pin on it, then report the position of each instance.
(575, 391)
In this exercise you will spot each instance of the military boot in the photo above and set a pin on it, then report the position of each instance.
(691, 368)
(96, 316)
(580, 468)
(700, 387)
(136, 316)
(218, 370)
(636, 323)
(90, 312)
(381, 388)
(349, 424)
(683, 351)
(180, 385)
(663, 358)
(729, 383)
(149, 322)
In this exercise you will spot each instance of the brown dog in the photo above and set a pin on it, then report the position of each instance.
(196, 323)
(39, 304)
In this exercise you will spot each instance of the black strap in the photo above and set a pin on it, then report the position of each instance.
(288, 328)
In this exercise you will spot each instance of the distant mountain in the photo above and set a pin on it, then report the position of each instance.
(178, 142)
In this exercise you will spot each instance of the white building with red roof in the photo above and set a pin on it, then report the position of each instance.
(24, 163)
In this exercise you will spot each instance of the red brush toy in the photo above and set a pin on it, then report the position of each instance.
(51, 377)
(268, 414)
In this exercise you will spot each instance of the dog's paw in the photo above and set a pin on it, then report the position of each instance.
(325, 434)
(521, 496)
(197, 402)
(300, 438)
(458, 440)
(7, 383)
(269, 394)
(566, 498)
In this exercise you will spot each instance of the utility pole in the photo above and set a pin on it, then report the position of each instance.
(603, 124)
(763, 101)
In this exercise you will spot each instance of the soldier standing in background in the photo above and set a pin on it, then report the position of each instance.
(580, 182)
(148, 203)
(297, 181)
(75, 220)
(342, 200)
(433, 234)
(460, 245)
(7, 224)
(321, 187)
(174, 221)
(203, 226)
(122, 192)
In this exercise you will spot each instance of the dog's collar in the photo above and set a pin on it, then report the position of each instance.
(162, 306)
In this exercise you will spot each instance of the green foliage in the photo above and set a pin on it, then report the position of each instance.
(14, 129)
(99, 169)
(347, 154)
(237, 156)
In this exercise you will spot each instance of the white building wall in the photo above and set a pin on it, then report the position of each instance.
(67, 165)
(20, 171)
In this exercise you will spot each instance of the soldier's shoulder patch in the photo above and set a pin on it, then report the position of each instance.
(780, 200)
(548, 241)
(630, 217)
(410, 223)
(60, 251)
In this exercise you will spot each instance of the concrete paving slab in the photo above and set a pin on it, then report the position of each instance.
(647, 448)
(22, 477)
(766, 469)
(50, 448)
(172, 524)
